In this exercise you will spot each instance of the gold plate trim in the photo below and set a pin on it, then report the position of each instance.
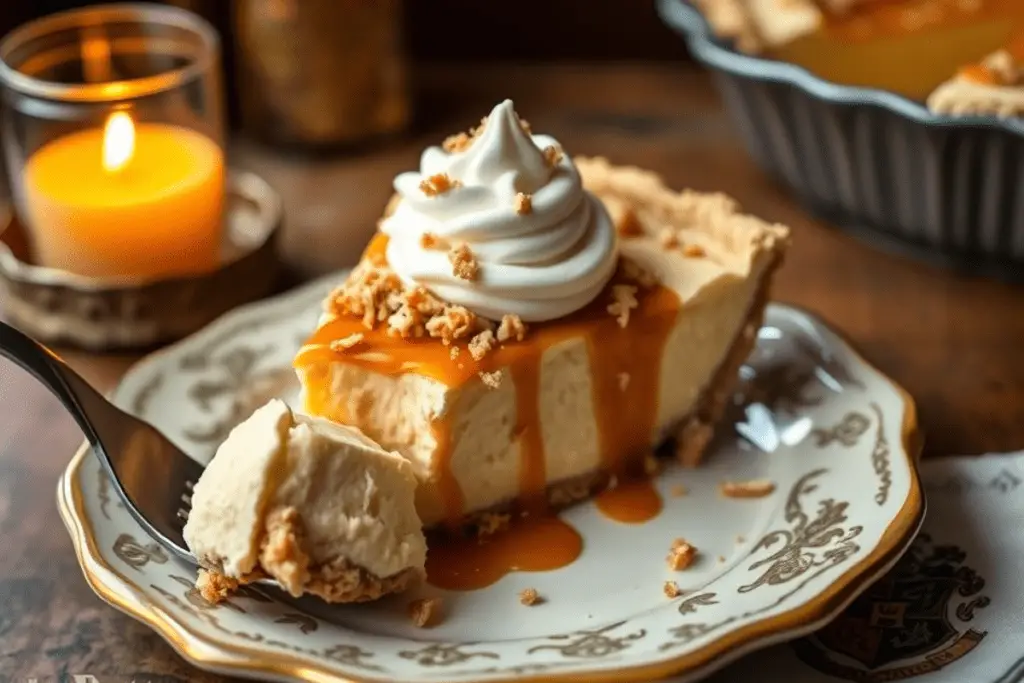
(794, 622)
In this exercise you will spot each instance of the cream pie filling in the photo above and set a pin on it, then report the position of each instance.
(315, 505)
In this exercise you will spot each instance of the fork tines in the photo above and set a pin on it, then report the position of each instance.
(186, 498)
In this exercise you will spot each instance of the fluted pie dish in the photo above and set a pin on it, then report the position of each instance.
(898, 121)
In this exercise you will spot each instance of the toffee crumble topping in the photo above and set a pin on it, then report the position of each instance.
(481, 344)
(629, 224)
(429, 240)
(553, 154)
(523, 203)
(624, 301)
(530, 597)
(461, 141)
(491, 379)
(671, 589)
(454, 322)
(477, 131)
(755, 488)
(439, 184)
(464, 264)
(456, 143)
(681, 555)
(669, 238)
(376, 296)
(511, 327)
(425, 612)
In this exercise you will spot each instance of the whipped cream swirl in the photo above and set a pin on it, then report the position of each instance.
(541, 264)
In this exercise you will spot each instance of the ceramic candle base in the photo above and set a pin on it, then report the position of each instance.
(58, 307)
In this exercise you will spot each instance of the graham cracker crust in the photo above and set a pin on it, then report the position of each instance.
(693, 433)
(336, 582)
(342, 581)
(284, 557)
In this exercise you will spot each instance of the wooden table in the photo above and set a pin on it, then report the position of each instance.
(956, 344)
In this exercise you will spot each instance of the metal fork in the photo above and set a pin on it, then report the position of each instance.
(153, 476)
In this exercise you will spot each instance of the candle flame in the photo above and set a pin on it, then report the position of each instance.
(118, 142)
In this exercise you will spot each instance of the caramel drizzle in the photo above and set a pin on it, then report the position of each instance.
(529, 428)
(448, 487)
(625, 416)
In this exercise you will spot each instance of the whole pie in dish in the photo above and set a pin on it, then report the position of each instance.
(957, 56)
(525, 326)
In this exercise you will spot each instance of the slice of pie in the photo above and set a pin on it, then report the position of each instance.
(526, 327)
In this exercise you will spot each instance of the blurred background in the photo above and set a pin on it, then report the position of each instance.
(427, 30)
(328, 99)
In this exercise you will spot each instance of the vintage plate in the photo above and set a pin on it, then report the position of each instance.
(837, 437)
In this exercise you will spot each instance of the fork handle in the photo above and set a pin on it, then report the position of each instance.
(81, 400)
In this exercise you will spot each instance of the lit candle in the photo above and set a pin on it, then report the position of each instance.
(141, 200)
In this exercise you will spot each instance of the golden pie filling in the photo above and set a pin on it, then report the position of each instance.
(959, 56)
(909, 47)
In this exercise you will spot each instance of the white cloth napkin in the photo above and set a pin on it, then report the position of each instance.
(952, 612)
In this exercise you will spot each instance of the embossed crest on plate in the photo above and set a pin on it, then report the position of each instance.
(914, 621)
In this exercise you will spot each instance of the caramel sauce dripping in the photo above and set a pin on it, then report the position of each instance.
(530, 544)
(532, 465)
(625, 414)
(447, 485)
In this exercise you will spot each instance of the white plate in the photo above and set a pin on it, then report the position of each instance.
(837, 437)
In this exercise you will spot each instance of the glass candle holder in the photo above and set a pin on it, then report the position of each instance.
(112, 129)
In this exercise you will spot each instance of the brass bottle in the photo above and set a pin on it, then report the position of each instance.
(314, 73)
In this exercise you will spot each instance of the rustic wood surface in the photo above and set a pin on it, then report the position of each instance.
(956, 344)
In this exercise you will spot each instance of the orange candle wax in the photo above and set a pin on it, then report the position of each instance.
(140, 200)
